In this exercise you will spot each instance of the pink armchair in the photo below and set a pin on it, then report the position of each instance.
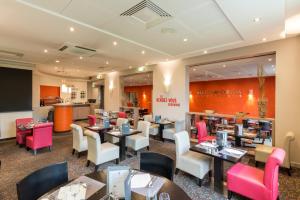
(255, 183)
(41, 137)
(92, 120)
(122, 115)
(22, 133)
(202, 132)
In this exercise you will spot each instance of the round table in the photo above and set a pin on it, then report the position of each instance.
(170, 187)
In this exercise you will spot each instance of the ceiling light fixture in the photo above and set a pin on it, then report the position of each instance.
(72, 29)
(264, 39)
(205, 52)
(270, 59)
(143, 52)
(45, 51)
(282, 34)
(56, 68)
(167, 59)
(142, 68)
(194, 69)
(57, 61)
(256, 19)
(130, 67)
(224, 65)
(185, 40)
(80, 57)
(107, 62)
(115, 43)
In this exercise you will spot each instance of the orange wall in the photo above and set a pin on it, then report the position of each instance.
(144, 95)
(230, 104)
(49, 91)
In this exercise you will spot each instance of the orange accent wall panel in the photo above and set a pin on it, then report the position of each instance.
(144, 95)
(208, 95)
(49, 91)
(63, 118)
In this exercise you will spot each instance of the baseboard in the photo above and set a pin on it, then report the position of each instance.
(5, 139)
(295, 164)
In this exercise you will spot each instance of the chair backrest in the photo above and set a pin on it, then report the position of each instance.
(271, 170)
(148, 118)
(182, 142)
(156, 163)
(122, 115)
(144, 126)
(180, 126)
(289, 137)
(77, 135)
(42, 133)
(42, 181)
(23, 121)
(94, 144)
(92, 120)
(202, 131)
(121, 121)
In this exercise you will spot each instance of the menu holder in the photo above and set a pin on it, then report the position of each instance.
(125, 128)
(106, 123)
(157, 118)
(233, 152)
(116, 176)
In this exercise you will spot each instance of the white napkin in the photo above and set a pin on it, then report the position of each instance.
(72, 192)
(140, 180)
(207, 144)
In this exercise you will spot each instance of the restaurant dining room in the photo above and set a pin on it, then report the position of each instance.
(149, 99)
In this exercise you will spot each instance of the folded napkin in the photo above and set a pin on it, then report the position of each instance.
(140, 180)
(207, 144)
(233, 152)
(75, 192)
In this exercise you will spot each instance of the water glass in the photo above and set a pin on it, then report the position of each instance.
(164, 196)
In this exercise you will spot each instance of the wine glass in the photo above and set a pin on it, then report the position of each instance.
(164, 196)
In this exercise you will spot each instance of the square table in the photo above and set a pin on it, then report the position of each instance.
(218, 162)
(122, 140)
(100, 129)
(162, 125)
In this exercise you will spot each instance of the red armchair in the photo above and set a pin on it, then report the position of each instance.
(202, 132)
(255, 183)
(41, 137)
(22, 133)
(92, 120)
(122, 115)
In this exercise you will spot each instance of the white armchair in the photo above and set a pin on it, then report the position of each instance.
(262, 152)
(100, 153)
(168, 133)
(141, 140)
(79, 140)
(153, 127)
(188, 161)
(119, 123)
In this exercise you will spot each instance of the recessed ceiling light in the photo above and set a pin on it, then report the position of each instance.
(224, 65)
(282, 34)
(45, 51)
(256, 19)
(78, 70)
(80, 57)
(239, 73)
(142, 68)
(57, 61)
(107, 62)
(264, 39)
(143, 52)
(194, 69)
(167, 59)
(270, 59)
(185, 39)
(72, 29)
(130, 67)
(115, 43)
(205, 52)
(56, 68)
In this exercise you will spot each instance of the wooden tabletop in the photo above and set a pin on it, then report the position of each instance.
(132, 132)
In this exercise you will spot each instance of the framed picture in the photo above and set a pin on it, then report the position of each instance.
(116, 176)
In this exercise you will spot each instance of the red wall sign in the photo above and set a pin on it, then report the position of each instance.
(172, 102)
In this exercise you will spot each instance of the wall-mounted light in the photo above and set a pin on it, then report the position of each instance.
(191, 95)
(111, 85)
(144, 95)
(250, 95)
(167, 83)
(141, 69)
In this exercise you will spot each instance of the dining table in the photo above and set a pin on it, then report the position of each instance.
(122, 140)
(174, 191)
(219, 156)
(161, 126)
(100, 129)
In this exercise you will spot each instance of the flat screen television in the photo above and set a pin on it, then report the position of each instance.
(15, 89)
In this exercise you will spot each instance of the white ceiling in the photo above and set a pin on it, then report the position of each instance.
(30, 26)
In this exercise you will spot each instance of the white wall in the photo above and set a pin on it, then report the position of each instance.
(112, 92)
(174, 72)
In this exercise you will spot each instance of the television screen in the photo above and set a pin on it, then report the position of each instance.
(15, 89)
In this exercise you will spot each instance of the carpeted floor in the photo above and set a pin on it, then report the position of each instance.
(17, 163)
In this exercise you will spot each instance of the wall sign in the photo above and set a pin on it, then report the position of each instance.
(172, 102)
(219, 92)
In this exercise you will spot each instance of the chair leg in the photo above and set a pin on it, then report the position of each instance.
(78, 154)
(289, 171)
(229, 194)
(199, 182)
(97, 167)
(210, 173)
(117, 161)
(50, 148)
(27, 148)
(73, 151)
(148, 148)
(176, 171)
(34, 152)
(256, 163)
(87, 163)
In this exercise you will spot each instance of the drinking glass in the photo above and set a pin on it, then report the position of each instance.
(164, 196)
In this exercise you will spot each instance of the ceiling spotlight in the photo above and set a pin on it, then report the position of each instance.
(194, 69)
(57, 61)
(56, 68)
(130, 67)
(167, 59)
(282, 34)
(143, 52)
(78, 70)
(185, 39)
(45, 51)
(264, 39)
(107, 62)
(72, 29)
(80, 57)
(115, 43)
(256, 19)
(270, 59)
(205, 52)
(224, 65)
(142, 68)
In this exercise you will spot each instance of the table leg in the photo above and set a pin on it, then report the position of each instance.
(237, 141)
(160, 132)
(102, 137)
(122, 148)
(218, 174)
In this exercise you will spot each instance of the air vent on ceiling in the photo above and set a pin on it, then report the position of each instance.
(148, 13)
(10, 54)
(77, 50)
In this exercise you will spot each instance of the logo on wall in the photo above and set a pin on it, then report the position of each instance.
(219, 92)
(172, 102)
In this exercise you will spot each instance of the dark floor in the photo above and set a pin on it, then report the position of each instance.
(17, 163)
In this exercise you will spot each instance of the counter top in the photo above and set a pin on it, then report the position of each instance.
(229, 116)
(72, 104)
